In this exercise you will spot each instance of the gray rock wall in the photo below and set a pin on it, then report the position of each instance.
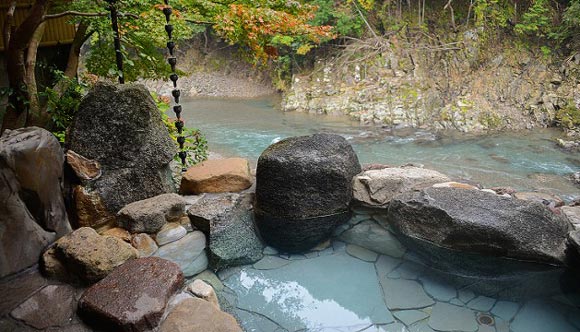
(424, 85)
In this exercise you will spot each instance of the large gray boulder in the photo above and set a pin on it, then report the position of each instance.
(32, 210)
(303, 189)
(120, 127)
(482, 223)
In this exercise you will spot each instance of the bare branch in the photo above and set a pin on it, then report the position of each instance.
(8, 23)
(199, 22)
(83, 14)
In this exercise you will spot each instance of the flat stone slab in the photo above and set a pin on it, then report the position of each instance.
(505, 310)
(410, 316)
(17, 289)
(386, 264)
(338, 292)
(185, 252)
(481, 303)
(368, 234)
(133, 297)
(448, 317)
(539, 315)
(54, 305)
(404, 294)
(271, 263)
(361, 253)
(438, 289)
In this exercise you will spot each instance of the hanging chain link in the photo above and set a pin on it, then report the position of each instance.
(176, 93)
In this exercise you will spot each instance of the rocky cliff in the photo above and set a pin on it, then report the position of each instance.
(419, 81)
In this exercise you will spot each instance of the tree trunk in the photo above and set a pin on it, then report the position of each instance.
(18, 42)
(35, 114)
(72, 65)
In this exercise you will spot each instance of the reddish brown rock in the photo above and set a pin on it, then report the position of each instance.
(217, 176)
(194, 315)
(90, 210)
(133, 297)
(84, 168)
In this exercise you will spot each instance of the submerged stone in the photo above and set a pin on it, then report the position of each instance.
(336, 291)
(539, 315)
(404, 294)
(505, 309)
(410, 316)
(368, 234)
(447, 317)
(270, 263)
(361, 253)
(481, 303)
(438, 289)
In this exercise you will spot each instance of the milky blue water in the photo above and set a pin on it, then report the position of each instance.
(346, 288)
(524, 160)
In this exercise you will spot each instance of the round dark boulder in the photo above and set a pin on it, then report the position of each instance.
(303, 190)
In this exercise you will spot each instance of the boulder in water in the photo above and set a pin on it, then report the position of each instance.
(482, 223)
(303, 190)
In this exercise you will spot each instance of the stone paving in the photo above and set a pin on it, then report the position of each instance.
(349, 287)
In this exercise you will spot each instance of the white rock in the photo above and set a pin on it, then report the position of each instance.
(204, 291)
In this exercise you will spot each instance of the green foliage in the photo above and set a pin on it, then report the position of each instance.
(537, 20)
(62, 108)
(569, 116)
(195, 142)
(340, 15)
(492, 13)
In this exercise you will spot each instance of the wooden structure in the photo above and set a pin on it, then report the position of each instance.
(58, 31)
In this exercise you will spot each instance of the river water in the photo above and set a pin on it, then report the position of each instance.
(344, 287)
(524, 160)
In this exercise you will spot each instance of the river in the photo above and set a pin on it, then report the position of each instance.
(527, 160)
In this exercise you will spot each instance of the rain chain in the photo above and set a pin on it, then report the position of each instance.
(116, 39)
(176, 93)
